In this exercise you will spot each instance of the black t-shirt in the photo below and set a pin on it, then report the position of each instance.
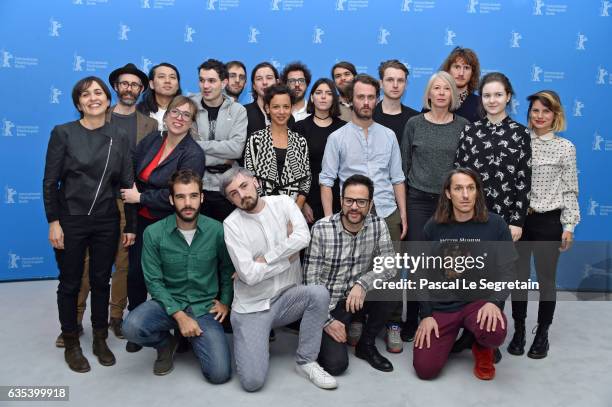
(281, 155)
(491, 240)
(213, 112)
(128, 124)
(316, 138)
(395, 122)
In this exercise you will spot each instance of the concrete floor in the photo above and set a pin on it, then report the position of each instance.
(576, 372)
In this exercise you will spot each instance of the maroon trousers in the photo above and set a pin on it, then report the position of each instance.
(429, 362)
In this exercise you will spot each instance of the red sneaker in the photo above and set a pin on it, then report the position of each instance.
(484, 369)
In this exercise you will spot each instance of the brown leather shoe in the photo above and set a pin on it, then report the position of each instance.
(100, 348)
(73, 354)
(115, 325)
(59, 342)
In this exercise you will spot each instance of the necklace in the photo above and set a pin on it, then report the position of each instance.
(321, 118)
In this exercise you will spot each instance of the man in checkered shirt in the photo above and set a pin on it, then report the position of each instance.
(341, 257)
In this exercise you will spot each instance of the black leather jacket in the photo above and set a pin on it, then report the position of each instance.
(83, 169)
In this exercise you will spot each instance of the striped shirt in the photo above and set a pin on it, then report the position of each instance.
(338, 259)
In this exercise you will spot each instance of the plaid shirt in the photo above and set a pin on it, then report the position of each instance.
(338, 259)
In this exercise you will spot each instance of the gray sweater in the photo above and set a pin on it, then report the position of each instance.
(428, 151)
(230, 136)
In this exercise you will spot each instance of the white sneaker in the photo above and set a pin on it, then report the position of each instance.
(315, 373)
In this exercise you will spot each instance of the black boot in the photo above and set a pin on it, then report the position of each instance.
(465, 341)
(517, 344)
(539, 348)
(369, 353)
(100, 348)
(73, 354)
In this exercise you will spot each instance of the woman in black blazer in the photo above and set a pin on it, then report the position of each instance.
(157, 157)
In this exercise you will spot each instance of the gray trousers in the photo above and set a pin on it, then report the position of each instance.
(252, 330)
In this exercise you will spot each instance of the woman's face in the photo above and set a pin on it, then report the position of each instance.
(494, 98)
(322, 97)
(93, 101)
(178, 120)
(541, 117)
(279, 109)
(440, 94)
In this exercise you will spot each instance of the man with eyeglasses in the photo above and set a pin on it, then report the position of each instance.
(297, 78)
(341, 256)
(222, 127)
(236, 79)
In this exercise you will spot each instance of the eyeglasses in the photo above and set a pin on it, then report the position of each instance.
(293, 81)
(361, 203)
(241, 78)
(184, 115)
(133, 85)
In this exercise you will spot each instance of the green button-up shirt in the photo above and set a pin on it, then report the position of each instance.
(179, 275)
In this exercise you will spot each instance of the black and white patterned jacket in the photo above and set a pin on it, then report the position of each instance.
(501, 154)
(260, 158)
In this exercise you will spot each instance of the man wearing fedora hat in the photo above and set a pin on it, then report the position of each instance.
(128, 82)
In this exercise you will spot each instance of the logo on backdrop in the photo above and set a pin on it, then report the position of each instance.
(340, 4)
(514, 39)
(406, 5)
(211, 4)
(7, 128)
(351, 5)
(253, 33)
(123, 32)
(54, 27)
(536, 71)
(77, 65)
(471, 8)
(10, 129)
(605, 7)
(13, 61)
(514, 106)
(13, 260)
(90, 65)
(146, 64)
(6, 59)
(602, 74)
(540, 8)
(417, 6)
(580, 41)
(449, 38)
(578, 106)
(600, 143)
(275, 63)
(9, 195)
(278, 5)
(317, 34)
(383, 34)
(189, 31)
(54, 95)
(274, 5)
(537, 7)
(145, 4)
(593, 205)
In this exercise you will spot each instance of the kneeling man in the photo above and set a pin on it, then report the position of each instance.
(186, 267)
(462, 227)
(264, 237)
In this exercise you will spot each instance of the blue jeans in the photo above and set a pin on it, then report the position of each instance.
(149, 325)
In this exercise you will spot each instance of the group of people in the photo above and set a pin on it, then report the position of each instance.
(247, 218)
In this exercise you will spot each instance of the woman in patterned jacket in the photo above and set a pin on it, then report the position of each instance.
(499, 149)
(276, 155)
(552, 215)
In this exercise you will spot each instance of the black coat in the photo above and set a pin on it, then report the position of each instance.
(154, 193)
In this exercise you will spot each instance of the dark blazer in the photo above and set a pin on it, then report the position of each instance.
(154, 193)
